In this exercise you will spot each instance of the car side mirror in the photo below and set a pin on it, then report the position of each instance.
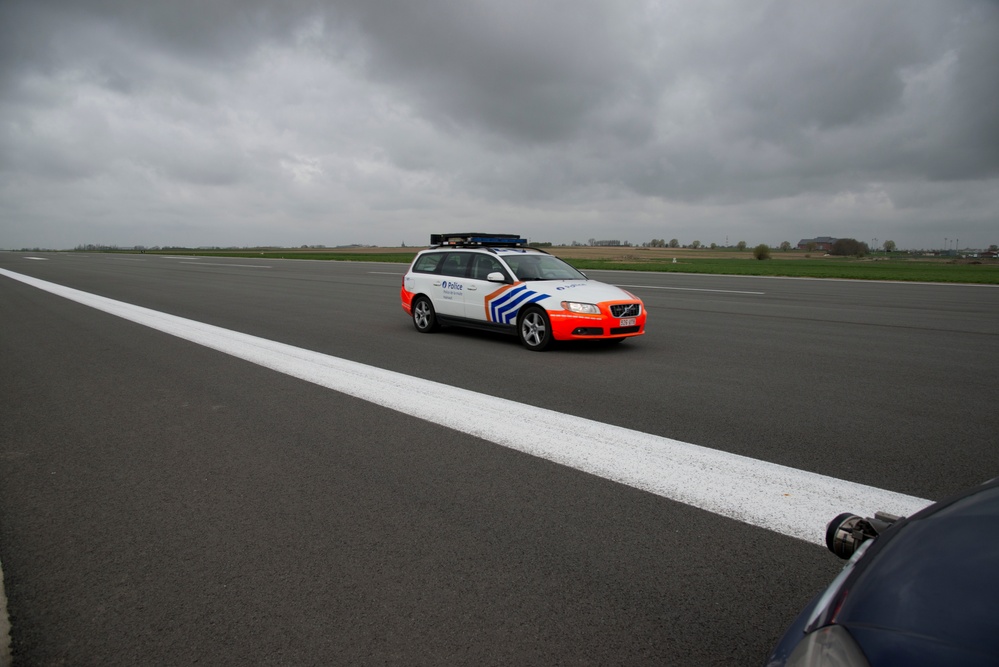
(496, 277)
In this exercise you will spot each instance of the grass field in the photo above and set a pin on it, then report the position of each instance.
(898, 266)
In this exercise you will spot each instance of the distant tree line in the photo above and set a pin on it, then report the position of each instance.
(842, 247)
(92, 247)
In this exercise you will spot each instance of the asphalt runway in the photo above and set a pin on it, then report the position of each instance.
(164, 503)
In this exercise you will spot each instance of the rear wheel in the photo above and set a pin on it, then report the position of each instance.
(535, 329)
(424, 317)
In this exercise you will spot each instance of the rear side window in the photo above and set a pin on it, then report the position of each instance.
(456, 264)
(428, 263)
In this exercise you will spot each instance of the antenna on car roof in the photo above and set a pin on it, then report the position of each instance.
(477, 239)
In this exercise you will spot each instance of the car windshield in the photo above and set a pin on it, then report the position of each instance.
(542, 267)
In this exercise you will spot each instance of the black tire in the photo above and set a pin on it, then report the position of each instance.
(424, 316)
(534, 329)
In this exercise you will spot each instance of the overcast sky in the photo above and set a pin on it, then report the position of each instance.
(331, 122)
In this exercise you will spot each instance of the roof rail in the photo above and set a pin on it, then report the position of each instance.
(477, 239)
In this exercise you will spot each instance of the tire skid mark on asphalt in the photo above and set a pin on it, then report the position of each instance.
(785, 500)
(695, 289)
(227, 265)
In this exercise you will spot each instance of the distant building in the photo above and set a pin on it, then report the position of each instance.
(818, 243)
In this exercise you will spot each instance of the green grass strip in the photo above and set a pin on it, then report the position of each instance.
(395, 258)
(938, 271)
(814, 268)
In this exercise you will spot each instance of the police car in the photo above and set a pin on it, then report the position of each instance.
(496, 282)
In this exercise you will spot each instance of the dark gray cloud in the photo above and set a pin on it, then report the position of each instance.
(303, 121)
(529, 72)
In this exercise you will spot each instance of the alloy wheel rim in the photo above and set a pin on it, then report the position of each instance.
(534, 329)
(422, 315)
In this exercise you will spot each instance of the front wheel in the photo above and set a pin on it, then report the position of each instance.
(535, 329)
(424, 317)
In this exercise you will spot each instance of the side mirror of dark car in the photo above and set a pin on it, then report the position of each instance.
(847, 532)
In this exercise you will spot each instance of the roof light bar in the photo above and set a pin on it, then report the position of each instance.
(477, 239)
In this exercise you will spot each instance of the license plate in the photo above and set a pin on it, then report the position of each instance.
(628, 322)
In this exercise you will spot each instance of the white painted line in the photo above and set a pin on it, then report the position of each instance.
(40, 259)
(680, 289)
(693, 289)
(243, 266)
(742, 276)
(782, 499)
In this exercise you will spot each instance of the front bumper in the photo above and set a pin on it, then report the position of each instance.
(577, 326)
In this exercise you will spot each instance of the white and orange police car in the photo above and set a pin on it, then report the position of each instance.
(496, 282)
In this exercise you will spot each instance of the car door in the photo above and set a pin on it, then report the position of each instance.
(449, 287)
(478, 288)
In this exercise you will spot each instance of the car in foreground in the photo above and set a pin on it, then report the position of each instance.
(497, 283)
(916, 591)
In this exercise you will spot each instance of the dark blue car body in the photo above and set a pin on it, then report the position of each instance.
(924, 592)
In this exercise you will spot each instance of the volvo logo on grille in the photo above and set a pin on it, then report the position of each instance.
(626, 310)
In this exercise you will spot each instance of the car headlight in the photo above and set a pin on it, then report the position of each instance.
(576, 307)
(832, 646)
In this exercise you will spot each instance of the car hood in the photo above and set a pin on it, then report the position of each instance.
(936, 579)
(584, 291)
(886, 648)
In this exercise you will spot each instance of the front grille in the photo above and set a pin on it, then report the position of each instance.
(623, 330)
(626, 310)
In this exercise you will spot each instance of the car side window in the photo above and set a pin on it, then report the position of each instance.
(483, 265)
(428, 263)
(456, 264)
